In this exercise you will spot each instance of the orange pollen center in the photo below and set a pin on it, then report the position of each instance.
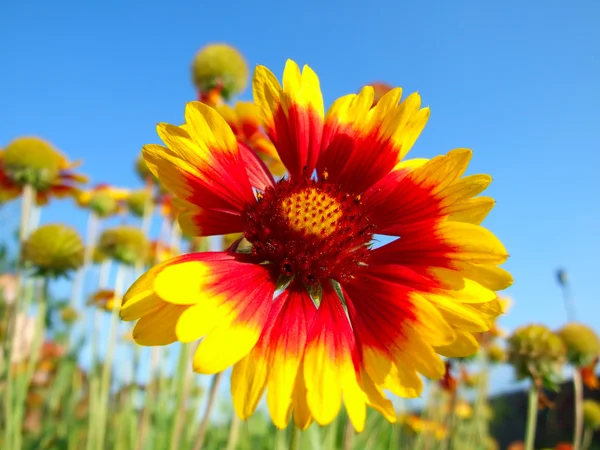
(309, 229)
(312, 211)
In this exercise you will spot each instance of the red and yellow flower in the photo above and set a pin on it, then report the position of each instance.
(105, 200)
(313, 314)
(59, 179)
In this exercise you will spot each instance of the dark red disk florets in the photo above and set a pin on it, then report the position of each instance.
(310, 229)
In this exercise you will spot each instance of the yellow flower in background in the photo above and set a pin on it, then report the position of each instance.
(104, 200)
(496, 354)
(143, 172)
(244, 121)
(125, 244)
(312, 313)
(591, 414)
(463, 410)
(69, 314)
(538, 353)
(54, 250)
(159, 252)
(138, 201)
(582, 343)
(35, 162)
(219, 71)
(104, 299)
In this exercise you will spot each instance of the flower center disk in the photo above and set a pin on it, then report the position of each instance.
(310, 229)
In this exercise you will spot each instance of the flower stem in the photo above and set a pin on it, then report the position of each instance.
(150, 397)
(183, 382)
(532, 413)
(234, 432)
(295, 437)
(212, 394)
(24, 382)
(104, 391)
(588, 434)
(578, 393)
(348, 435)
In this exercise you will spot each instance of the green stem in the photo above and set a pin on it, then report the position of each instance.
(150, 396)
(295, 437)
(532, 413)
(234, 432)
(183, 381)
(105, 379)
(348, 436)
(578, 392)
(588, 434)
(27, 200)
(24, 382)
(212, 395)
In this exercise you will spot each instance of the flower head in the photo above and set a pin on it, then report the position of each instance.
(104, 200)
(311, 312)
(69, 314)
(35, 162)
(536, 352)
(583, 344)
(138, 201)
(143, 172)
(591, 414)
(159, 252)
(54, 250)
(219, 71)
(125, 244)
(496, 354)
(104, 299)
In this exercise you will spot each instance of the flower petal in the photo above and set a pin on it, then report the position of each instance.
(328, 358)
(361, 145)
(292, 115)
(202, 163)
(464, 345)
(416, 196)
(195, 221)
(158, 327)
(248, 382)
(286, 343)
(238, 333)
(215, 276)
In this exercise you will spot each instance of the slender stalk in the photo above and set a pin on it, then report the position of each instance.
(212, 395)
(27, 201)
(532, 413)
(23, 387)
(184, 382)
(480, 430)
(295, 437)
(348, 436)
(588, 434)
(568, 300)
(150, 397)
(451, 420)
(578, 393)
(234, 432)
(90, 242)
(148, 211)
(106, 369)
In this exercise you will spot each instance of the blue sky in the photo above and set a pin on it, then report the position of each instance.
(515, 81)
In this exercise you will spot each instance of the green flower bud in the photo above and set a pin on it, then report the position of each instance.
(54, 250)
